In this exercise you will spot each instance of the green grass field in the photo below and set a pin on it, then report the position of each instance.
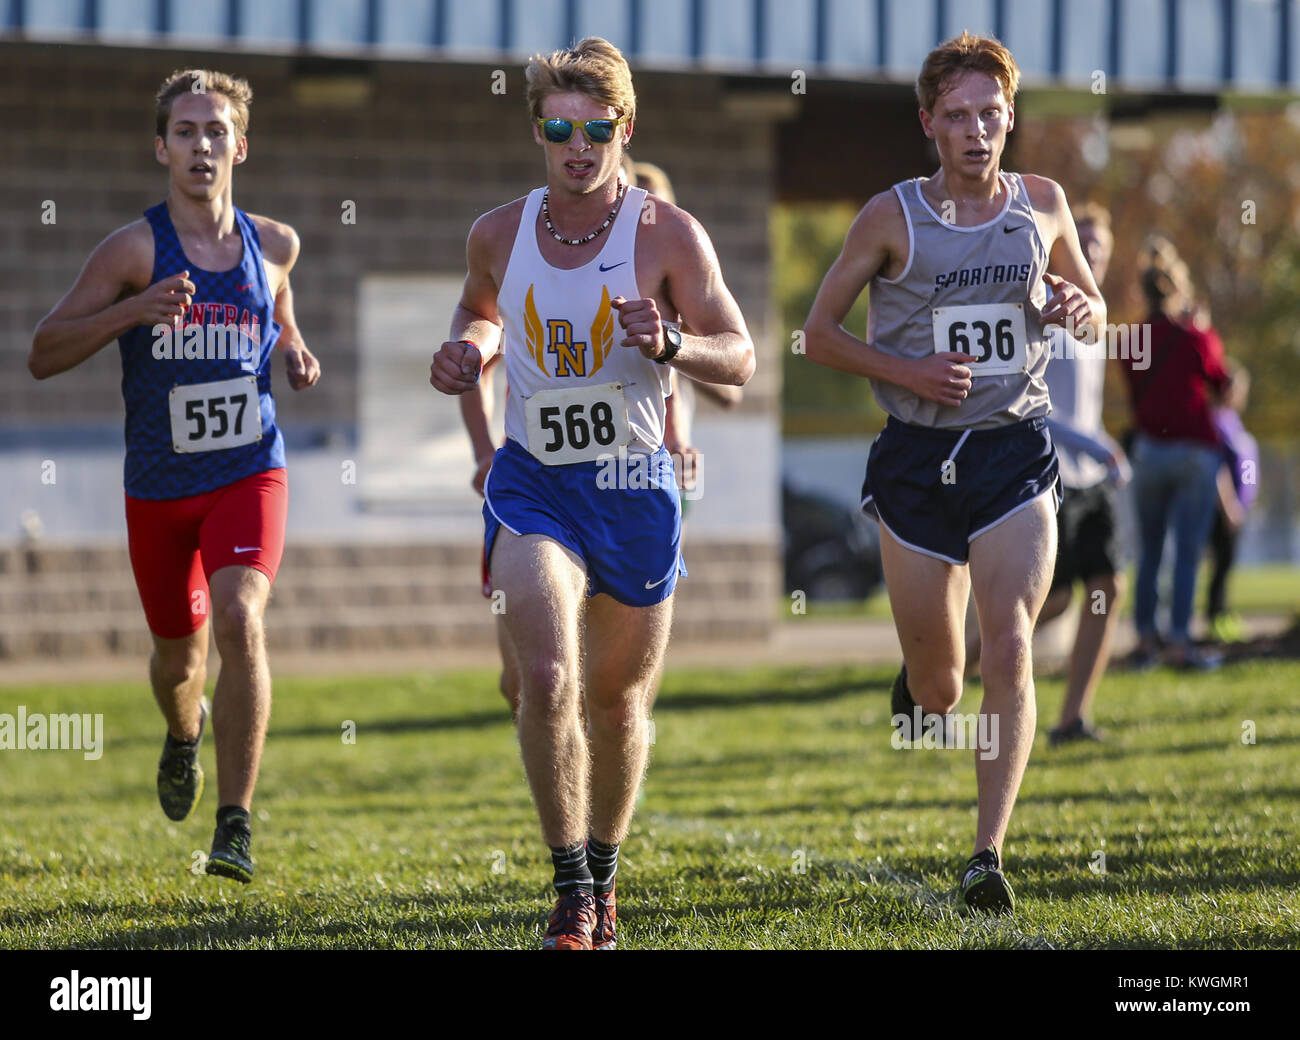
(775, 814)
(1263, 589)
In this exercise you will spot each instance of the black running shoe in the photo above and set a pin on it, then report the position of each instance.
(905, 713)
(902, 708)
(984, 887)
(180, 777)
(1072, 731)
(231, 846)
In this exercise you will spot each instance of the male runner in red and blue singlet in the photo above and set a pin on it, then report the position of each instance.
(197, 295)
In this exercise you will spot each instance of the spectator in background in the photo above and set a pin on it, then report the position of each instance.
(1176, 454)
(1092, 466)
(1237, 489)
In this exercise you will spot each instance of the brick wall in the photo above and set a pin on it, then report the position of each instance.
(429, 149)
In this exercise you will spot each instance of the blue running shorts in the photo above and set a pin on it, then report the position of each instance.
(623, 517)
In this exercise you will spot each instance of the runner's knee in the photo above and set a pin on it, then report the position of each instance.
(548, 688)
(238, 621)
(177, 666)
(622, 717)
(1006, 658)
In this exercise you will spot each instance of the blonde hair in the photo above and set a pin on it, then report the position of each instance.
(593, 66)
(655, 181)
(203, 81)
(966, 53)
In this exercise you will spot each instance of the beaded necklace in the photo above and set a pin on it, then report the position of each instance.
(546, 216)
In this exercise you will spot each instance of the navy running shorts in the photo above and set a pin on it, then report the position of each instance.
(936, 491)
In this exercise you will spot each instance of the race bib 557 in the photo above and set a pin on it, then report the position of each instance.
(212, 416)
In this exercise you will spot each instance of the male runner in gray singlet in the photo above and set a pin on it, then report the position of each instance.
(964, 475)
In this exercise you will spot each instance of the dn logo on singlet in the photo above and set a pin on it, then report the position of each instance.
(554, 347)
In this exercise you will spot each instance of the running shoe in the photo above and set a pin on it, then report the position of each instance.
(902, 708)
(602, 934)
(903, 716)
(231, 849)
(1072, 731)
(1195, 659)
(984, 887)
(1227, 628)
(180, 777)
(572, 922)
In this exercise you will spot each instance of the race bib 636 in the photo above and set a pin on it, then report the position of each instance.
(992, 333)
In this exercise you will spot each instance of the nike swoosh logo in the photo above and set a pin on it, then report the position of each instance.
(251, 548)
(656, 584)
(612, 266)
(243, 288)
(1008, 230)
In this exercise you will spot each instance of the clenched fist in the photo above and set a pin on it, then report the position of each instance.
(166, 301)
(456, 367)
(943, 378)
(640, 320)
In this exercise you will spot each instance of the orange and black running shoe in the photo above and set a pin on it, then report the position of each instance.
(602, 935)
(572, 922)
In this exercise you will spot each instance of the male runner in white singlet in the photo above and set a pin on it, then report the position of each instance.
(964, 475)
(581, 506)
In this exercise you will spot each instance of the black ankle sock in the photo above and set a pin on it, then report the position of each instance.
(603, 860)
(988, 858)
(571, 869)
(227, 811)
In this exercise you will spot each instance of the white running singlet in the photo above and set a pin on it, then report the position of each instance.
(575, 393)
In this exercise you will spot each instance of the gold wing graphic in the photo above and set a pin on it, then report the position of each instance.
(533, 331)
(602, 331)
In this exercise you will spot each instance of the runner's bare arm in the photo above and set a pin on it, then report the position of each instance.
(1072, 291)
(280, 248)
(300, 363)
(869, 248)
(716, 347)
(476, 414)
(106, 301)
(476, 320)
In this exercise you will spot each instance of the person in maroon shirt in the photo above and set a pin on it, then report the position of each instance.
(1176, 454)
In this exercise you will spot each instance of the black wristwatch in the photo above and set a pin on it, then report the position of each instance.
(672, 341)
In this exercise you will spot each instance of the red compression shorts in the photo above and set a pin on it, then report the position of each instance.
(177, 544)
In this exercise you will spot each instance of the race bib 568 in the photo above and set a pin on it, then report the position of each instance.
(212, 416)
(577, 425)
(992, 333)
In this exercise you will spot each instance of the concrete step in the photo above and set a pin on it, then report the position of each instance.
(81, 602)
